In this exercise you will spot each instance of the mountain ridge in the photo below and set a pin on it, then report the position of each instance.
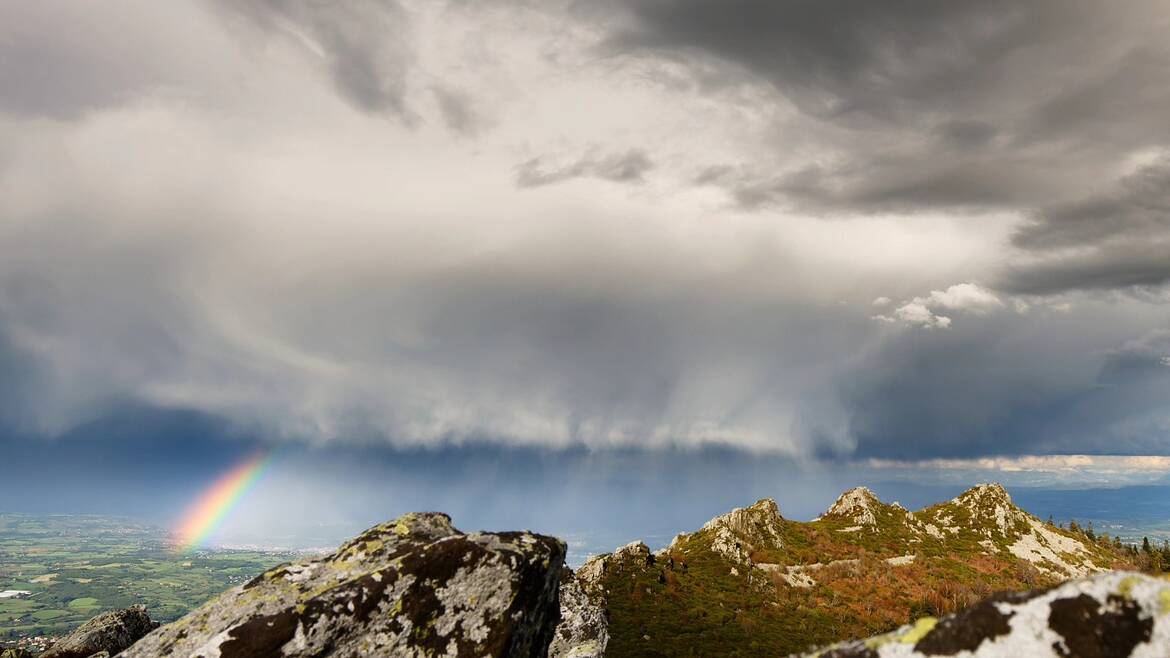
(752, 579)
(418, 586)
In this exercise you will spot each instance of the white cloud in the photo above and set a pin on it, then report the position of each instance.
(916, 313)
(923, 311)
(967, 297)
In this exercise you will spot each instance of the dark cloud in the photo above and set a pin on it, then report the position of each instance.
(885, 183)
(260, 253)
(1147, 355)
(1124, 412)
(21, 377)
(1136, 209)
(835, 59)
(595, 500)
(1116, 238)
(917, 105)
(1135, 268)
(365, 44)
(626, 167)
(1011, 385)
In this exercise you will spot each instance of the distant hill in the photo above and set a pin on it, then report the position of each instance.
(752, 583)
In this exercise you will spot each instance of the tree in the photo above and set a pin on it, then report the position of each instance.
(1146, 545)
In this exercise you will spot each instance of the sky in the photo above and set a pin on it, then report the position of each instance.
(578, 264)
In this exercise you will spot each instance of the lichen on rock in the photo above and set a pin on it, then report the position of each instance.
(1113, 615)
(857, 504)
(584, 630)
(412, 587)
(108, 632)
(736, 534)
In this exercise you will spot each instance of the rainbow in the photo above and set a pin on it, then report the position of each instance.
(208, 512)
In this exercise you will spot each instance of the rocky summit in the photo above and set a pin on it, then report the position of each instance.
(859, 505)
(766, 586)
(1115, 615)
(413, 587)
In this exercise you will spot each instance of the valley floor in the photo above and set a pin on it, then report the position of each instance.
(58, 571)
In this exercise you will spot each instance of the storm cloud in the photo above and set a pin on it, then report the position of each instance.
(1116, 238)
(655, 225)
(915, 105)
(969, 107)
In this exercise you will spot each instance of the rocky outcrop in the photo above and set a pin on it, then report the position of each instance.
(635, 555)
(413, 587)
(991, 505)
(858, 505)
(109, 632)
(583, 631)
(986, 515)
(736, 534)
(1115, 615)
(760, 522)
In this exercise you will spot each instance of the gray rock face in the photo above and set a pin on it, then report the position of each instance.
(413, 587)
(1114, 615)
(584, 630)
(635, 554)
(742, 530)
(109, 632)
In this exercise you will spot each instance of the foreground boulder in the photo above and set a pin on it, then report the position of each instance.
(109, 632)
(1115, 615)
(413, 587)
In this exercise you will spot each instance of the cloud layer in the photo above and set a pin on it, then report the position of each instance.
(966, 106)
(655, 224)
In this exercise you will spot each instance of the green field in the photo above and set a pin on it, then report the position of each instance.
(75, 567)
